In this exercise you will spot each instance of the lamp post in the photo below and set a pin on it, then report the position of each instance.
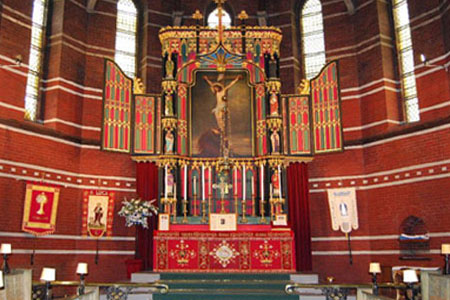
(445, 250)
(82, 270)
(375, 269)
(6, 251)
(48, 275)
(410, 277)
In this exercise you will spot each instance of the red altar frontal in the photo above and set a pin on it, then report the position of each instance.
(238, 251)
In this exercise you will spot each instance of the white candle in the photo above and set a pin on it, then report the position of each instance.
(262, 182)
(174, 190)
(194, 188)
(244, 183)
(235, 181)
(279, 181)
(253, 185)
(166, 182)
(203, 182)
(5, 249)
(185, 182)
(210, 182)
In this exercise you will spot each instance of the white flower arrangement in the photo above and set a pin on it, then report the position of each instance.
(136, 211)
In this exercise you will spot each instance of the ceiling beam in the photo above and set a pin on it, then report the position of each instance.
(350, 6)
(91, 5)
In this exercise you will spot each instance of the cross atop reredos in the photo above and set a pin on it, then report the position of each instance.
(220, 12)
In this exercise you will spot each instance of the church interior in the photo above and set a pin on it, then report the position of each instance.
(236, 137)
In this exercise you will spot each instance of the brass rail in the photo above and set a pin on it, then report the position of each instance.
(291, 288)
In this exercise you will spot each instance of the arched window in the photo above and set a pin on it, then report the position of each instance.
(406, 59)
(213, 19)
(313, 39)
(126, 29)
(39, 16)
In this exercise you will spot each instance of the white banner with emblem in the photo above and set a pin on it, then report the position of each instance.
(343, 209)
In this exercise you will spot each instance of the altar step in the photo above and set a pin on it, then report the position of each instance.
(219, 286)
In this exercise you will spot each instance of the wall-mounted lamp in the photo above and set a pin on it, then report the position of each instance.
(5, 249)
(427, 63)
(445, 250)
(375, 269)
(410, 278)
(48, 275)
(82, 270)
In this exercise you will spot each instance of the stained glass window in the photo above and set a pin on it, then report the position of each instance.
(213, 19)
(126, 29)
(35, 60)
(313, 39)
(406, 59)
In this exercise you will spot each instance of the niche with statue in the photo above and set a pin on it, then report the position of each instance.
(414, 239)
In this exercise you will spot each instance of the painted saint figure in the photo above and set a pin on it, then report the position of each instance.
(98, 214)
(273, 104)
(170, 139)
(275, 142)
(275, 184)
(220, 91)
(168, 109)
(169, 67)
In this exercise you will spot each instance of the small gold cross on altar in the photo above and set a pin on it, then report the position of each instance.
(224, 189)
(220, 15)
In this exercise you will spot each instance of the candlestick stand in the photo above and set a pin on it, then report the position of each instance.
(244, 212)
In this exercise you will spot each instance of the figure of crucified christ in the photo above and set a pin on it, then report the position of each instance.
(220, 91)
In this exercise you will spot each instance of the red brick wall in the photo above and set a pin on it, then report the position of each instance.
(378, 144)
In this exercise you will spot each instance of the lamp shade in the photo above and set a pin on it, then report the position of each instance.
(48, 274)
(445, 249)
(2, 284)
(82, 268)
(410, 276)
(5, 249)
(374, 267)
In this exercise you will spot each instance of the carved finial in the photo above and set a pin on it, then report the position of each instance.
(197, 15)
(243, 15)
(138, 87)
(303, 87)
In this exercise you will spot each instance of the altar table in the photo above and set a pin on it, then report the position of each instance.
(224, 252)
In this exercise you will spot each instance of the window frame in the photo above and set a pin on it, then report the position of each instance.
(400, 51)
(40, 70)
(302, 40)
(137, 37)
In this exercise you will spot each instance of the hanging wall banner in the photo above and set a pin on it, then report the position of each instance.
(41, 205)
(343, 209)
(98, 213)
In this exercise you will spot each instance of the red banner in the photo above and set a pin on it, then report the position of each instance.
(98, 213)
(271, 251)
(41, 205)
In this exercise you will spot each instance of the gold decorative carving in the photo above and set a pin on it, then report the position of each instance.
(138, 86)
(304, 87)
(243, 15)
(274, 124)
(169, 123)
(169, 86)
(273, 85)
(197, 15)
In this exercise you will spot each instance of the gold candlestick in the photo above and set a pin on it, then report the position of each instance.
(253, 206)
(194, 205)
(244, 212)
(203, 210)
(262, 212)
(174, 209)
(185, 219)
(236, 204)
